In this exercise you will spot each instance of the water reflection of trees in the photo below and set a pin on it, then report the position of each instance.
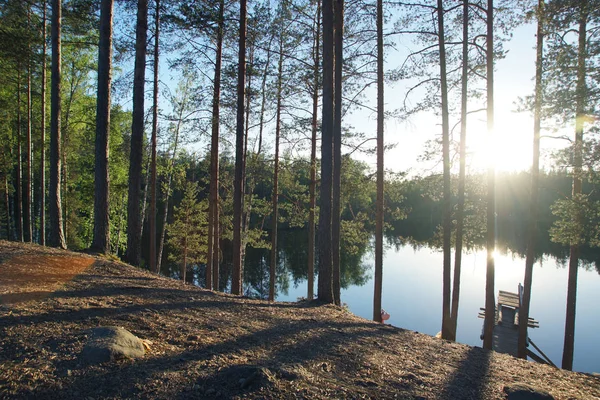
(413, 215)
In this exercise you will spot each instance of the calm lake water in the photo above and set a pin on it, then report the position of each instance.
(412, 295)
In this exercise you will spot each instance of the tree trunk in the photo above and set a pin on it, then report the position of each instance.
(101, 242)
(19, 188)
(7, 201)
(184, 264)
(447, 219)
(212, 265)
(377, 306)
(152, 217)
(580, 99)
(248, 186)
(337, 148)
(28, 214)
(532, 228)
(238, 197)
(43, 134)
(490, 306)
(460, 207)
(56, 238)
(120, 226)
(146, 183)
(325, 235)
(313, 160)
(275, 199)
(134, 220)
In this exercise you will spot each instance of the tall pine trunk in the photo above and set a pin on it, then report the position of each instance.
(275, 199)
(532, 228)
(325, 238)
(447, 205)
(56, 237)
(153, 191)
(462, 178)
(337, 148)
(490, 306)
(43, 134)
(101, 241)
(28, 214)
(313, 159)
(134, 219)
(7, 202)
(377, 306)
(580, 106)
(20, 227)
(238, 196)
(213, 217)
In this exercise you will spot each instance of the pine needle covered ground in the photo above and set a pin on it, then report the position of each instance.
(202, 344)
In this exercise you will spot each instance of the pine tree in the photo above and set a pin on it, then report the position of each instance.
(187, 233)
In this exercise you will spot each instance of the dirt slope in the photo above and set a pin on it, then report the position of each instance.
(212, 345)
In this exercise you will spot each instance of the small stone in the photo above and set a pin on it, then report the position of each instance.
(524, 392)
(210, 392)
(193, 338)
(111, 343)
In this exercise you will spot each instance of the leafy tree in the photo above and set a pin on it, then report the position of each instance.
(187, 233)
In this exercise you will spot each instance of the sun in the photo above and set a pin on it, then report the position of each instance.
(508, 149)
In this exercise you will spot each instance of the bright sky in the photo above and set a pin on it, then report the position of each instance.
(512, 148)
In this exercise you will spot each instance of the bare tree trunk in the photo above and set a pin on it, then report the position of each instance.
(460, 207)
(43, 134)
(120, 227)
(145, 197)
(238, 197)
(7, 201)
(28, 214)
(183, 270)
(275, 199)
(56, 238)
(313, 159)
(152, 220)
(581, 93)
(447, 205)
(19, 188)
(325, 237)
(248, 186)
(490, 306)
(377, 306)
(532, 229)
(134, 219)
(212, 266)
(337, 148)
(101, 240)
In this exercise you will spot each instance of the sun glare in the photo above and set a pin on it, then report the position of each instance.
(508, 149)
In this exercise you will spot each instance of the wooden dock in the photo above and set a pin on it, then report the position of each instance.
(506, 327)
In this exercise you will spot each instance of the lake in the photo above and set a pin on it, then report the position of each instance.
(412, 295)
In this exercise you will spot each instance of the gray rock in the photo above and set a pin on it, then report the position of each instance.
(524, 392)
(111, 343)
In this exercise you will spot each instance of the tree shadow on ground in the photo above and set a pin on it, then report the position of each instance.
(470, 379)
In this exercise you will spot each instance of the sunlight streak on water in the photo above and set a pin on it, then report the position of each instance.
(412, 295)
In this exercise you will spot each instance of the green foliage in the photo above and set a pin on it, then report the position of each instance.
(188, 231)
